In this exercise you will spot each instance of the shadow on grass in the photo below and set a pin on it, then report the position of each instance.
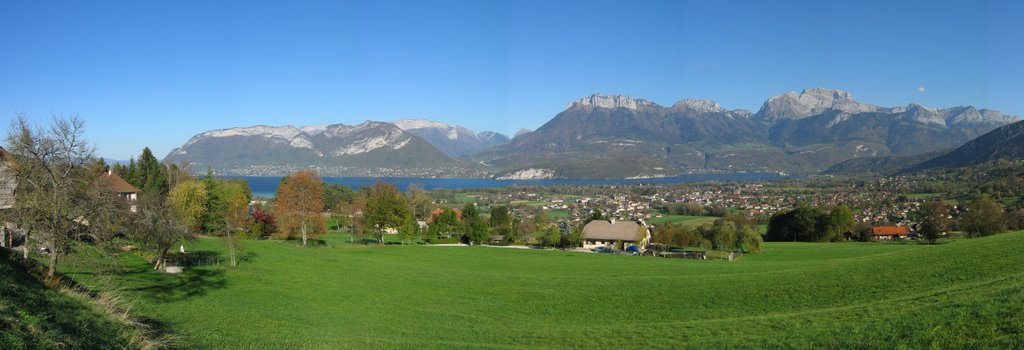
(203, 272)
(194, 282)
(247, 257)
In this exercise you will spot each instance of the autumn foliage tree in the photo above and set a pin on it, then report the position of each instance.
(299, 205)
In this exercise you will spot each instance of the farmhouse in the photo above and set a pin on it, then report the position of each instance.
(606, 233)
(889, 232)
(118, 185)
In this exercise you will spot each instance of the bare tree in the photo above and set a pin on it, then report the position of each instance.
(158, 225)
(51, 167)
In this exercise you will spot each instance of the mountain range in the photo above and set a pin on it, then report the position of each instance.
(455, 141)
(609, 136)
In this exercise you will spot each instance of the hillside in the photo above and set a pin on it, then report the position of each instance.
(33, 316)
(961, 294)
(1006, 142)
(881, 165)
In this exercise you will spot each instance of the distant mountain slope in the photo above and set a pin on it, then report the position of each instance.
(804, 132)
(1006, 142)
(611, 136)
(281, 149)
(455, 141)
(881, 165)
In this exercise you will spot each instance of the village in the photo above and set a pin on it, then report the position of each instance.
(885, 204)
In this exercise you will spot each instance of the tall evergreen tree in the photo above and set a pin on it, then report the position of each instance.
(152, 176)
(474, 227)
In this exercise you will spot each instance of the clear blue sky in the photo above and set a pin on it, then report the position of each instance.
(154, 73)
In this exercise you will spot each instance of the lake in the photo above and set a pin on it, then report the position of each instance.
(266, 186)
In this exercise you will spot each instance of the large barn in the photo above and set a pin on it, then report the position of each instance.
(605, 233)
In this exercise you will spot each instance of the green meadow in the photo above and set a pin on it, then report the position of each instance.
(962, 294)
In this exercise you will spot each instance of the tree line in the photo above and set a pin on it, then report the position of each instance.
(982, 216)
(732, 232)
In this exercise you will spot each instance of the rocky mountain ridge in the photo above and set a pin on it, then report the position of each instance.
(608, 136)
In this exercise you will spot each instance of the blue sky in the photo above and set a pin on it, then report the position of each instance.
(154, 73)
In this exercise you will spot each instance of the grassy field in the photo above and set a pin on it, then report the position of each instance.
(558, 214)
(967, 293)
(688, 219)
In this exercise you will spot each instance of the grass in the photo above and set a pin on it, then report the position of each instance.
(33, 316)
(963, 294)
(558, 214)
(688, 219)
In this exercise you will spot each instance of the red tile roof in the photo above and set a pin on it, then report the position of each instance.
(889, 230)
(115, 183)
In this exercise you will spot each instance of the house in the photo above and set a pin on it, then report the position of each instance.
(605, 233)
(7, 181)
(889, 232)
(7, 185)
(122, 188)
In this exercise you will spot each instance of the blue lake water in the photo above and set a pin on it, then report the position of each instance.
(266, 186)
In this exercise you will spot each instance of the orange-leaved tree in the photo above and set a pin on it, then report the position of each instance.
(299, 205)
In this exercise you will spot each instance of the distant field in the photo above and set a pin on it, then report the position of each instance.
(689, 220)
(558, 214)
(922, 195)
(964, 294)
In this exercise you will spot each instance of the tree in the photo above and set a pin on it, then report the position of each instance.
(550, 237)
(840, 221)
(474, 227)
(263, 223)
(984, 217)
(236, 197)
(159, 223)
(420, 202)
(443, 224)
(335, 194)
(386, 209)
(214, 220)
(640, 236)
(933, 218)
(748, 239)
(500, 221)
(188, 200)
(409, 229)
(594, 216)
(299, 204)
(50, 166)
(805, 224)
(151, 176)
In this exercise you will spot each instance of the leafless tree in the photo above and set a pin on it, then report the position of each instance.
(51, 166)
